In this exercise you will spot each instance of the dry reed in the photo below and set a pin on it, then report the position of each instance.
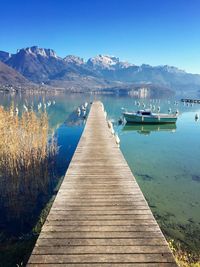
(26, 157)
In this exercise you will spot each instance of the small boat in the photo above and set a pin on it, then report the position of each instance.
(147, 116)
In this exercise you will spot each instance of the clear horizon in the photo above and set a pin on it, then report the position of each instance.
(138, 31)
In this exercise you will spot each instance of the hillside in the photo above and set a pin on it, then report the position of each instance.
(43, 66)
(9, 76)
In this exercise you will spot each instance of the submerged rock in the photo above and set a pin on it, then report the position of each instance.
(146, 177)
(196, 178)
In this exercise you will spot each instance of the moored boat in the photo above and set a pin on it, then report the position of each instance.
(147, 116)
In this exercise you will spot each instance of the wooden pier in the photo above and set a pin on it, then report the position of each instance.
(100, 216)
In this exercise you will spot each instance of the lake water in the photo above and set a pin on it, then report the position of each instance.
(165, 161)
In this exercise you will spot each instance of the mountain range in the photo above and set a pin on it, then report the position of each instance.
(103, 72)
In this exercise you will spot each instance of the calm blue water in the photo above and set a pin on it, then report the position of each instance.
(165, 160)
(166, 163)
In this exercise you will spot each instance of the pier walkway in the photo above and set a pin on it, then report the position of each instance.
(100, 216)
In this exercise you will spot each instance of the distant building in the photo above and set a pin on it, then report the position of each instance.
(140, 93)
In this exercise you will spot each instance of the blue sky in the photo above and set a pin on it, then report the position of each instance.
(155, 32)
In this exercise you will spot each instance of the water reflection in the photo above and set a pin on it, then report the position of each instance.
(76, 118)
(146, 129)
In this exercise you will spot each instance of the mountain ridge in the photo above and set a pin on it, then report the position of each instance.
(41, 65)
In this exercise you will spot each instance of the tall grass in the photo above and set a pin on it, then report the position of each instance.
(26, 158)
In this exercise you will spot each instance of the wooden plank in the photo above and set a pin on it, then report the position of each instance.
(97, 208)
(103, 223)
(46, 242)
(103, 258)
(99, 212)
(120, 249)
(100, 216)
(103, 265)
(82, 228)
(97, 235)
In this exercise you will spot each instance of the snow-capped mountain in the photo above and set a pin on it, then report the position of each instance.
(102, 62)
(36, 51)
(70, 59)
(170, 69)
(35, 63)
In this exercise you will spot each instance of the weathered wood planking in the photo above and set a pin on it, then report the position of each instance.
(100, 216)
